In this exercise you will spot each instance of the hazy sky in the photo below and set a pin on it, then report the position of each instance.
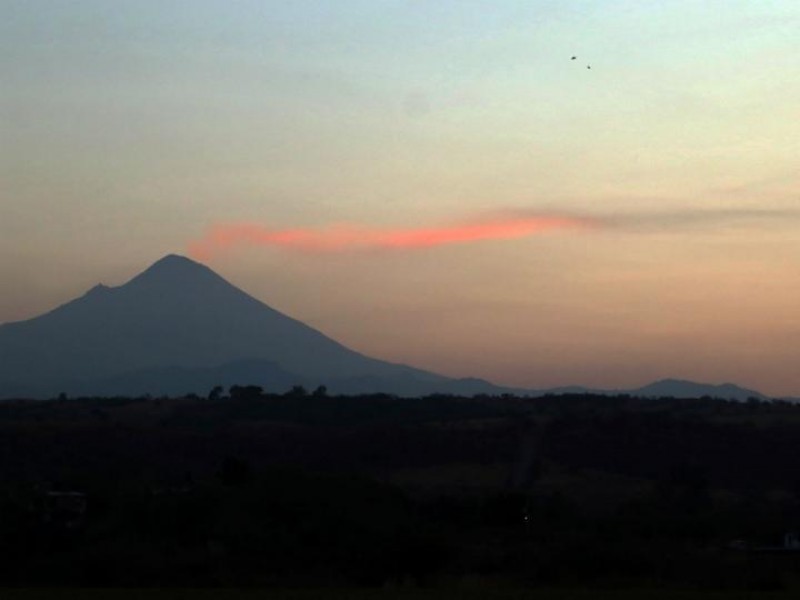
(430, 182)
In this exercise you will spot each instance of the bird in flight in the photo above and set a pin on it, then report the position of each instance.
(575, 58)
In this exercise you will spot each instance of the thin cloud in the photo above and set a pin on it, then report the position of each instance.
(704, 219)
(499, 225)
(680, 219)
(343, 238)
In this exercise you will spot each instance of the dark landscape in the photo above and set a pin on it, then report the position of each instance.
(247, 488)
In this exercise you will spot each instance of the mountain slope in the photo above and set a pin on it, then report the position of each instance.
(178, 314)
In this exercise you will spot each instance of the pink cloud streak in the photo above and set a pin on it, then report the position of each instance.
(341, 238)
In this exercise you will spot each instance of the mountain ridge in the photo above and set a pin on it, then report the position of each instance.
(685, 388)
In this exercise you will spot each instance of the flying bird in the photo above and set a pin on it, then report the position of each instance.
(573, 58)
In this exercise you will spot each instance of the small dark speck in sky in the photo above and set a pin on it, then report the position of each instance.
(575, 58)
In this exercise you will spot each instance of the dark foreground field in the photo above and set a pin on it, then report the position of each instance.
(488, 593)
(409, 498)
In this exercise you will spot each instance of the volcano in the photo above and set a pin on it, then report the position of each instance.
(178, 327)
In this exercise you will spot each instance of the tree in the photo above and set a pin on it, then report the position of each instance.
(297, 391)
(246, 392)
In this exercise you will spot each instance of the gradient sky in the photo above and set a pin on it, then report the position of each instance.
(435, 183)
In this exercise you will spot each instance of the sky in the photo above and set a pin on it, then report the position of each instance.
(434, 183)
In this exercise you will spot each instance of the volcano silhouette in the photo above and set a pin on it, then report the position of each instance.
(178, 327)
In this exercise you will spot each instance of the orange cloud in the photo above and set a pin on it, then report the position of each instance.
(340, 238)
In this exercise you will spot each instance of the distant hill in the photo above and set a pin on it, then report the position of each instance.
(668, 388)
(678, 388)
(177, 327)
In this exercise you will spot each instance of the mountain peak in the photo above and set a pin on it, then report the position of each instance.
(174, 269)
(174, 263)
